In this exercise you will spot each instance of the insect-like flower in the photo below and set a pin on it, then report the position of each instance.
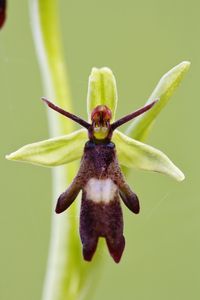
(99, 177)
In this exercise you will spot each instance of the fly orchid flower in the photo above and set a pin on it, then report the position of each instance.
(99, 177)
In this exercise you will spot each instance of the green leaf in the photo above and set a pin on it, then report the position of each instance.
(102, 90)
(139, 128)
(52, 152)
(134, 154)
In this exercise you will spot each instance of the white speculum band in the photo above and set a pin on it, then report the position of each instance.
(100, 190)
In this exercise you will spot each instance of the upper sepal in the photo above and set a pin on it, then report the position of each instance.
(52, 152)
(134, 154)
(102, 90)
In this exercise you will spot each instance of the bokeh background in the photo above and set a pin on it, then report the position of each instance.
(139, 41)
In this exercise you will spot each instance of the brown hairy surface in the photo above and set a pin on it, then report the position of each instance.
(101, 219)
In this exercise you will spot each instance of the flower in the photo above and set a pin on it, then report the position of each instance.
(101, 147)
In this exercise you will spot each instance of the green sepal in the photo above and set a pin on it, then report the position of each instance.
(139, 128)
(52, 152)
(134, 154)
(102, 90)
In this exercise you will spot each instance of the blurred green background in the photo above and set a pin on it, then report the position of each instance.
(139, 41)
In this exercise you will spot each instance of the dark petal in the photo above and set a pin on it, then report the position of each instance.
(2, 12)
(114, 229)
(101, 220)
(89, 248)
(88, 227)
(67, 198)
(130, 199)
(132, 115)
(67, 114)
(116, 248)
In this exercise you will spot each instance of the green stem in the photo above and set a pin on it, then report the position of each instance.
(47, 37)
(67, 275)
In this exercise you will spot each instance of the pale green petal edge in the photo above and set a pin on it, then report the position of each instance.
(52, 152)
(139, 128)
(135, 154)
(102, 90)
